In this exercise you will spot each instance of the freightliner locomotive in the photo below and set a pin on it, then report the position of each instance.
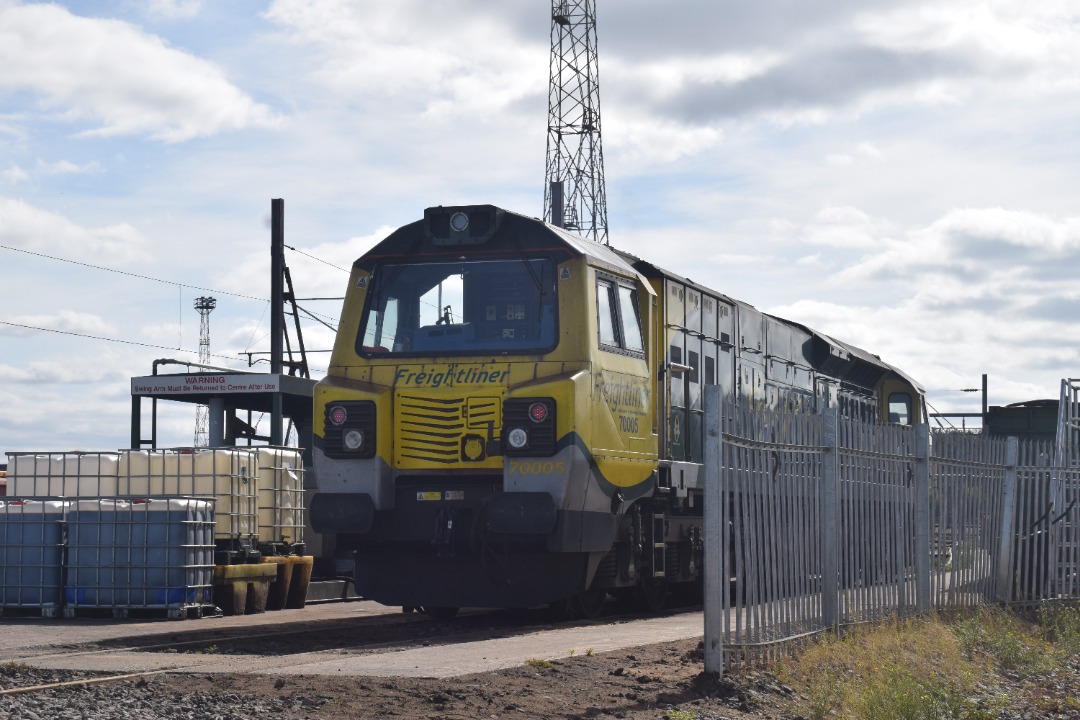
(513, 414)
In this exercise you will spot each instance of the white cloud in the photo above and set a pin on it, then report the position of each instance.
(14, 174)
(112, 73)
(173, 9)
(978, 290)
(642, 142)
(62, 321)
(439, 57)
(26, 227)
(59, 373)
(968, 243)
(846, 227)
(867, 57)
(66, 167)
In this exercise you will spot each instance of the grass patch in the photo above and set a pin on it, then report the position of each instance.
(1062, 624)
(923, 669)
(1012, 642)
(912, 669)
(679, 715)
(546, 664)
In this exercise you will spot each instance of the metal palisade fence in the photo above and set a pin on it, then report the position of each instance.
(813, 522)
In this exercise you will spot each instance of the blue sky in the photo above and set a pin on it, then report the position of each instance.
(899, 174)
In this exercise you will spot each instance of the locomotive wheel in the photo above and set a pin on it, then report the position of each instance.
(441, 613)
(561, 610)
(652, 594)
(589, 604)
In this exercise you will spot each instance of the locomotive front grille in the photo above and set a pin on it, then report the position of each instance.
(443, 430)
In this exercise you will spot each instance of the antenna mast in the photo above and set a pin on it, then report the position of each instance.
(202, 413)
(574, 196)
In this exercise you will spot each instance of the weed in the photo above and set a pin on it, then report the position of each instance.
(536, 663)
(1062, 623)
(1010, 642)
(13, 667)
(932, 668)
(895, 692)
(679, 715)
(906, 669)
(572, 652)
(589, 652)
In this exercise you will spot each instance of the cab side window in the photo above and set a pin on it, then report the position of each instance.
(900, 408)
(605, 307)
(617, 317)
(631, 325)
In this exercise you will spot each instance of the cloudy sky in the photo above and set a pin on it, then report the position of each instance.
(900, 174)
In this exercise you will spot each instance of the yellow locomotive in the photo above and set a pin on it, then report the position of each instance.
(513, 415)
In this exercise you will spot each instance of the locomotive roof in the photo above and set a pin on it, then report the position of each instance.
(507, 233)
(862, 356)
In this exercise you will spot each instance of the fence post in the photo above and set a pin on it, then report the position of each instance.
(830, 487)
(922, 518)
(1007, 539)
(715, 584)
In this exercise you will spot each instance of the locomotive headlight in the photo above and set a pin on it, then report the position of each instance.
(459, 222)
(517, 438)
(353, 439)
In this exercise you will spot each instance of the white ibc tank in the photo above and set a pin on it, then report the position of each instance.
(226, 474)
(281, 495)
(70, 475)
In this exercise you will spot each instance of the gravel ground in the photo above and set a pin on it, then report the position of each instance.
(655, 681)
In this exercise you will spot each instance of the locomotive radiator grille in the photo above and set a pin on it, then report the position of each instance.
(436, 430)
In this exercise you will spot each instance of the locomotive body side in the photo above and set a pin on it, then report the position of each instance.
(513, 415)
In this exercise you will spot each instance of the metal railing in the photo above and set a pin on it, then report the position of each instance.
(813, 522)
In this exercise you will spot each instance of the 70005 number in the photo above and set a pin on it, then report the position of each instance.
(537, 468)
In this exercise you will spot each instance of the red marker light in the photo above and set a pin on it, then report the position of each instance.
(538, 412)
(338, 415)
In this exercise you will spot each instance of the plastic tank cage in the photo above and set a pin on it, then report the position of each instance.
(139, 554)
(281, 498)
(62, 475)
(31, 555)
(227, 475)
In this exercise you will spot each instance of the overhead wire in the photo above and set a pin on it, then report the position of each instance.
(131, 274)
(317, 259)
(107, 339)
(165, 282)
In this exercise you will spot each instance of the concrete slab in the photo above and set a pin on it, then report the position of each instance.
(435, 661)
(35, 635)
(499, 653)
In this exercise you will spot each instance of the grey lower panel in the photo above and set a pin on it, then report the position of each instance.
(583, 531)
(341, 513)
(521, 513)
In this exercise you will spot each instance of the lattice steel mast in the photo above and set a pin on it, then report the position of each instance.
(202, 413)
(574, 182)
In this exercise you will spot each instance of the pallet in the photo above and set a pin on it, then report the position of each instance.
(43, 611)
(243, 589)
(289, 588)
(176, 612)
